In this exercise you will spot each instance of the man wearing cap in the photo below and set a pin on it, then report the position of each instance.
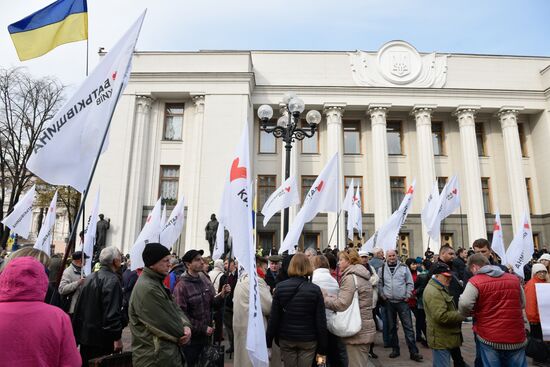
(496, 301)
(443, 320)
(158, 325)
(71, 282)
(271, 274)
(196, 296)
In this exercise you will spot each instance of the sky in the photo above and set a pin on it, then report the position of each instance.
(502, 27)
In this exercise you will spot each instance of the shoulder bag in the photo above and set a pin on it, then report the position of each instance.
(347, 323)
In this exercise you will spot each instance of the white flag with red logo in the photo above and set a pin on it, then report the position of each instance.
(285, 196)
(447, 203)
(171, 229)
(347, 205)
(236, 216)
(45, 236)
(20, 219)
(149, 233)
(65, 151)
(90, 236)
(430, 210)
(497, 244)
(386, 236)
(322, 197)
(521, 248)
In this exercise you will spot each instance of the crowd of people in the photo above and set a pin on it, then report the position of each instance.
(176, 309)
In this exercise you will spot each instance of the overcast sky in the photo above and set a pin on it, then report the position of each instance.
(466, 26)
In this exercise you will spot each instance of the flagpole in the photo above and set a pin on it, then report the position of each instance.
(335, 227)
(82, 202)
(338, 204)
(85, 192)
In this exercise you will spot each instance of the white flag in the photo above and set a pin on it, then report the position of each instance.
(522, 247)
(497, 244)
(323, 196)
(347, 205)
(45, 236)
(149, 233)
(172, 229)
(219, 246)
(285, 196)
(236, 215)
(430, 210)
(20, 219)
(90, 236)
(386, 236)
(448, 202)
(65, 152)
(163, 216)
(357, 212)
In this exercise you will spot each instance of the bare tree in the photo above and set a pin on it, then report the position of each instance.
(68, 197)
(26, 103)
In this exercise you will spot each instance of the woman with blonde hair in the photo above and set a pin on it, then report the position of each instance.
(357, 345)
(297, 319)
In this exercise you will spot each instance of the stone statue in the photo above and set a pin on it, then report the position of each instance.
(210, 230)
(101, 232)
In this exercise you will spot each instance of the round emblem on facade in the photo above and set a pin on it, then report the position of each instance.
(399, 62)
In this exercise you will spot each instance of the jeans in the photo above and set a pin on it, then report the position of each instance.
(441, 358)
(502, 358)
(337, 356)
(385, 326)
(401, 309)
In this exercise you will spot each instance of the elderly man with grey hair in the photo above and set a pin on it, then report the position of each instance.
(396, 287)
(98, 318)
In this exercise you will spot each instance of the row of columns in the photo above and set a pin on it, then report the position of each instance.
(471, 179)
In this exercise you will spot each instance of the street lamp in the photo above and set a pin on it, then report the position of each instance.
(287, 129)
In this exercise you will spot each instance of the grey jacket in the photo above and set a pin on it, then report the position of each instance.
(70, 285)
(396, 287)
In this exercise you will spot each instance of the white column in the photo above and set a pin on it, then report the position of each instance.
(381, 175)
(194, 233)
(137, 176)
(471, 180)
(426, 164)
(335, 143)
(514, 163)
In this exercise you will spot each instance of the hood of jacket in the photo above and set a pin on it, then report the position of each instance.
(359, 270)
(491, 270)
(23, 279)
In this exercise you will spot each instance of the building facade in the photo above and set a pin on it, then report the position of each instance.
(395, 115)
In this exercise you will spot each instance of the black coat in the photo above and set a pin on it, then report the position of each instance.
(98, 318)
(271, 280)
(459, 266)
(298, 314)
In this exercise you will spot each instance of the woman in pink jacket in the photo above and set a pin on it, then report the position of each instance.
(33, 333)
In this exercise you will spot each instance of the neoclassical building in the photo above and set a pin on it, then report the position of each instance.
(395, 115)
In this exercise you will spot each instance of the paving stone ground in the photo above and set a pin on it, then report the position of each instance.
(468, 351)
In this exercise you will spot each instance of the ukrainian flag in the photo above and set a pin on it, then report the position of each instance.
(61, 22)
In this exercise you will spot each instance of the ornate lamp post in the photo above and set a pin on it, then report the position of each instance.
(288, 129)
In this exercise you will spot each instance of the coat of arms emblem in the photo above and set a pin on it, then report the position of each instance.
(400, 63)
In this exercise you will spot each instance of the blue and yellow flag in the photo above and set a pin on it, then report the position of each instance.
(61, 22)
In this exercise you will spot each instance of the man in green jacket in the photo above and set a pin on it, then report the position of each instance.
(158, 325)
(442, 318)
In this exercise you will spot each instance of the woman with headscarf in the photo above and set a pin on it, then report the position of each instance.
(33, 333)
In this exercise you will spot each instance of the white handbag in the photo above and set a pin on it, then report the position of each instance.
(347, 323)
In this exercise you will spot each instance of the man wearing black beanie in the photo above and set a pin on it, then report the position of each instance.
(155, 316)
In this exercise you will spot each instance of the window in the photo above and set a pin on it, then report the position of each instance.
(441, 182)
(310, 239)
(173, 121)
(529, 193)
(437, 138)
(266, 240)
(522, 141)
(169, 182)
(486, 193)
(307, 182)
(357, 180)
(266, 186)
(352, 137)
(397, 191)
(480, 139)
(310, 145)
(267, 141)
(403, 246)
(394, 136)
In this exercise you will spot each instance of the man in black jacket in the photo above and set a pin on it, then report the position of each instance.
(98, 319)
